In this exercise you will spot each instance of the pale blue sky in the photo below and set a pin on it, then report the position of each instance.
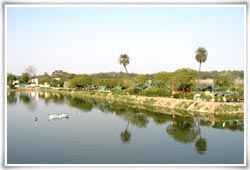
(90, 39)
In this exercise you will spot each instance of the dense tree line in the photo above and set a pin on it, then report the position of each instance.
(180, 79)
(213, 74)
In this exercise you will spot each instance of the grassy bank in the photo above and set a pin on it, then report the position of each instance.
(161, 104)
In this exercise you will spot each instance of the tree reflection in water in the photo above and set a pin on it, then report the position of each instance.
(125, 135)
(83, 104)
(186, 130)
(200, 144)
(11, 98)
(29, 99)
(182, 129)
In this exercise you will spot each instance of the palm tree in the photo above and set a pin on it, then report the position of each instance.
(200, 144)
(124, 60)
(125, 135)
(201, 57)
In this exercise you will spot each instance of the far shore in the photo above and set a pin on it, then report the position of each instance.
(161, 103)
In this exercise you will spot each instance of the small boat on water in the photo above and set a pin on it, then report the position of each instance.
(58, 116)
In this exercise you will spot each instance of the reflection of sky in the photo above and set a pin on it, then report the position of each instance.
(94, 137)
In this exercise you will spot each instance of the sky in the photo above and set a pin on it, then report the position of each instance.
(90, 39)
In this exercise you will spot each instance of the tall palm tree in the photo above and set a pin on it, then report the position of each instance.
(124, 60)
(201, 57)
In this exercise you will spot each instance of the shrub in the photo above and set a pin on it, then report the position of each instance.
(189, 95)
(177, 95)
(156, 92)
(205, 97)
(233, 97)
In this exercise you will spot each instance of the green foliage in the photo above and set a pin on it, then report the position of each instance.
(223, 79)
(212, 74)
(140, 80)
(233, 97)
(183, 95)
(81, 81)
(161, 79)
(201, 145)
(124, 60)
(10, 79)
(110, 83)
(97, 82)
(125, 136)
(62, 75)
(24, 78)
(11, 98)
(156, 92)
(205, 97)
(83, 104)
(45, 78)
(201, 55)
(184, 78)
(177, 95)
(56, 83)
(182, 129)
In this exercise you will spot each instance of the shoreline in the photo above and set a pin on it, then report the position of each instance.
(159, 104)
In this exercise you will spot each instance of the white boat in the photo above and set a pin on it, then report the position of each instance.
(58, 116)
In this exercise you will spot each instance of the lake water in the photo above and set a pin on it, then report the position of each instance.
(96, 132)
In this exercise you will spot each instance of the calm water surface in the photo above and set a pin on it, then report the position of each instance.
(96, 132)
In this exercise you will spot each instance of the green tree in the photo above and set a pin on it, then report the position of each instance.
(24, 78)
(10, 79)
(161, 79)
(223, 79)
(96, 81)
(110, 83)
(201, 57)
(140, 80)
(124, 60)
(45, 78)
(81, 81)
(184, 79)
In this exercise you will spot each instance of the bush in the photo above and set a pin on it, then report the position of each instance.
(189, 95)
(177, 95)
(156, 92)
(205, 97)
(233, 97)
(130, 90)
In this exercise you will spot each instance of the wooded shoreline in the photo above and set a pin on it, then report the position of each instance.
(160, 103)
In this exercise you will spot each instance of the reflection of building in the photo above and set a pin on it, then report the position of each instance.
(46, 95)
(34, 94)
